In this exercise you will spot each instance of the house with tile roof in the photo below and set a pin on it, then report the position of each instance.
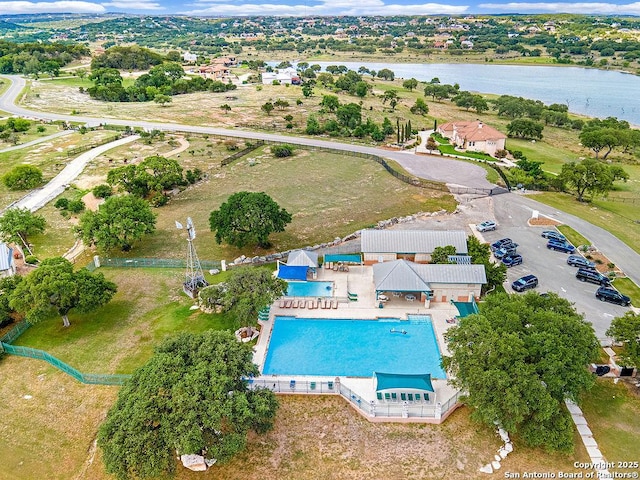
(474, 136)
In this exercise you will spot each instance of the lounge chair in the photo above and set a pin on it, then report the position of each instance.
(287, 304)
(323, 303)
(394, 396)
(292, 384)
(403, 396)
(330, 385)
(281, 304)
(334, 303)
(312, 385)
(379, 395)
(294, 304)
(313, 303)
(387, 396)
(426, 397)
(410, 397)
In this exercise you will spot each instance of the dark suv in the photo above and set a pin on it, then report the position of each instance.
(560, 246)
(525, 283)
(607, 294)
(501, 243)
(580, 261)
(592, 276)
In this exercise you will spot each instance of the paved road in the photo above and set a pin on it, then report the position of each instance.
(38, 198)
(430, 167)
(36, 141)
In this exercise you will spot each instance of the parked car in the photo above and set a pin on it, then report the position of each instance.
(512, 260)
(580, 261)
(554, 234)
(608, 294)
(592, 276)
(558, 246)
(505, 250)
(486, 226)
(497, 244)
(525, 283)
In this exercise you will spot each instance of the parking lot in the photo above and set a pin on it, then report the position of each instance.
(554, 275)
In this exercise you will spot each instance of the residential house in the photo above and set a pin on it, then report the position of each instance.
(474, 136)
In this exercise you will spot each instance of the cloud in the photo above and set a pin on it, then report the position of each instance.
(63, 6)
(582, 7)
(127, 6)
(325, 7)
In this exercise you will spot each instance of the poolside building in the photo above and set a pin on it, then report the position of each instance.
(394, 387)
(7, 265)
(413, 245)
(430, 282)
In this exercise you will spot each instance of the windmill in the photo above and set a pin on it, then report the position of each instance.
(194, 275)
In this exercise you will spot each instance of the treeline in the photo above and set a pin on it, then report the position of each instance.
(34, 58)
(164, 79)
(127, 58)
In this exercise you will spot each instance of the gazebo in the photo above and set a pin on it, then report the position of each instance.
(404, 387)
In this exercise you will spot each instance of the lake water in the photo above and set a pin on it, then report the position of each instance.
(592, 92)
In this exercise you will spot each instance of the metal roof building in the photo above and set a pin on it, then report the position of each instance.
(302, 258)
(414, 245)
(7, 266)
(440, 282)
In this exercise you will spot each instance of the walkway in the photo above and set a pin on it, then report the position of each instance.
(587, 439)
(39, 198)
(36, 141)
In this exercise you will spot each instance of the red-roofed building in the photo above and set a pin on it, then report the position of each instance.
(473, 136)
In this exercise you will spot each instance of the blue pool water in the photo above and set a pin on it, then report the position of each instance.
(310, 289)
(308, 346)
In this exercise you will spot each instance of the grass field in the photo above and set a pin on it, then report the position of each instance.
(120, 336)
(50, 157)
(612, 411)
(618, 218)
(627, 287)
(574, 237)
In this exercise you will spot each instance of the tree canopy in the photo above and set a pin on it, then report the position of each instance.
(118, 223)
(190, 397)
(626, 330)
(18, 224)
(22, 177)
(441, 254)
(480, 253)
(153, 175)
(55, 287)
(249, 290)
(591, 177)
(248, 218)
(518, 359)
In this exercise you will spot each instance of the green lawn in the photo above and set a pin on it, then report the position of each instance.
(574, 237)
(120, 336)
(626, 286)
(621, 219)
(328, 195)
(613, 414)
(552, 156)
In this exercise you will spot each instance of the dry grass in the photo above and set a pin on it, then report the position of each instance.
(324, 438)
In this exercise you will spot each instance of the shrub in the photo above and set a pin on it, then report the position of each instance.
(31, 259)
(193, 175)
(62, 203)
(282, 151)
(40, 128)
(158, 199)
(23, 177)
(102, 191)
(501, 153)
(76, 206)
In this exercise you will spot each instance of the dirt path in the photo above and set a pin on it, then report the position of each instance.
(184, 144)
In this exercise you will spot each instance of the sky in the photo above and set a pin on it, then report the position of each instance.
(316, 7)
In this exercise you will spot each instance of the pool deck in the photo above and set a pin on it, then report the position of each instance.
(359, 280)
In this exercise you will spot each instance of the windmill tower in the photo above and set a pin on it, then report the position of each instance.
(194, 275)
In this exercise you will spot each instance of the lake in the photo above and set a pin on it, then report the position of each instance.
(592, 92)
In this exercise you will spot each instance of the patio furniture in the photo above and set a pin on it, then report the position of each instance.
(292, 384)
(410, 298)
(330, 385)
(312, 385)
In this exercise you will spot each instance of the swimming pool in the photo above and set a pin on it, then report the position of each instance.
(312, 346)
(310, 289)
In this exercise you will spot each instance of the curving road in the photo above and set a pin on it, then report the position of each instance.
(429, 167)
(424, 166)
